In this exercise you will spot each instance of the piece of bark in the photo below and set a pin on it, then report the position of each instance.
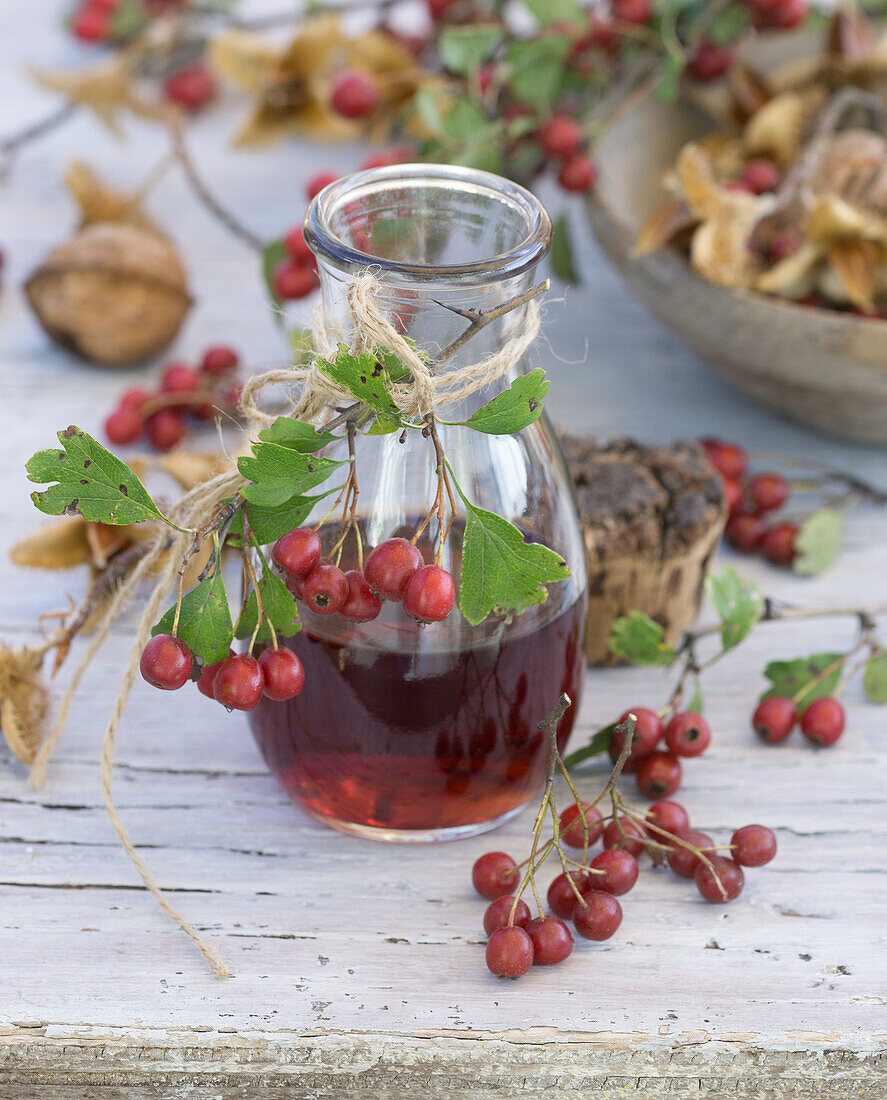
(651, 519)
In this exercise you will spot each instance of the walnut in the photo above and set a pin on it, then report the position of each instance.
(113, 294)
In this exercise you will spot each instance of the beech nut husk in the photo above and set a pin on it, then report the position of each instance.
(113, 294)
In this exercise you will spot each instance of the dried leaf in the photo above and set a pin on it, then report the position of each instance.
(779, 128)
(106, 89)
(100, 203)
(795, 276)
(244, 59)
(24, 701)
(60, 545)
(662, 226)
(192, 468)
(856, 263)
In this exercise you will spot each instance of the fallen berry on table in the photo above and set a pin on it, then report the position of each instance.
(581, 824)
(768, 492)
(620, 871)
(509, 952)
(745, 531)
(498, 914)
(729, 459)
(647, 733)
(123, 426)
(774, 719)
(659, 775)
(687, 734)
(668, 815)
(597, 916)
(494, 874)
(822, 722)
(166, 428)
(562, 897)
(630, 836)
(219, 360)
(552, 942)
(721, 882)
(684, 861)
(753, 845)
(778, 544)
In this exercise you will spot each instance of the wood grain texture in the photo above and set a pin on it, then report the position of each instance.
(358, 968)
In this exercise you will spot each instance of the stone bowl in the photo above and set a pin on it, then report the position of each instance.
(821, 367)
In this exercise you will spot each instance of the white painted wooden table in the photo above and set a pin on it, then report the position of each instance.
(358, 969)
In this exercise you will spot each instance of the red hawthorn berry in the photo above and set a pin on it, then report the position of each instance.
(729, 459)
(296, 245)
(632, 11)
(578, 173)
(745, 531)
(778, 544)
(191, 88)
(560, 137)
(710, 61)
(294, 280)
(774, 719)
(761, 175)
(317, 183)
(768, 492)
(354, 95)
(822, 722)
(123, 426)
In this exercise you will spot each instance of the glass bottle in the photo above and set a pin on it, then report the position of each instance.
(408, 732)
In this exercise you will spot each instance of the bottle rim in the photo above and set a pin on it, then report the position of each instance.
(329, 246)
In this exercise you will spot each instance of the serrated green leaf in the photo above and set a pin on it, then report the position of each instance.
(463, 49)
(90, 482)
(549, 12)
(537, 70)
(277, 474)
(268, 524)
(279, 606)
(513, 409)
(638, 640)
(302, 437)
(818, 542)
(739, 605)
(366, 377)
(273, 254)
(561, 255)
(874, 679)
(799, 678)
(205, 620)
(501, 572)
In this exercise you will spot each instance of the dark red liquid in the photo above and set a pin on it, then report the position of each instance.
(420, 741)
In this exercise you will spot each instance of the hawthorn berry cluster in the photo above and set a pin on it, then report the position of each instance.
(238, 682)
(162, 415)
(821, 721)
(588, 894)
(395, 571)
(658, 771)
(751, 499)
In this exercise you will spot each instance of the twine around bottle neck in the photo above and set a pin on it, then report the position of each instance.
(423, 393)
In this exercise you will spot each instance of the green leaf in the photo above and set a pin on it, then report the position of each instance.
(465, 121)
(739, 606)
(427, 104)
(638, 640)
(537, 70)
(277, 474)
(501, 572)
(599, 743)
(799, 678)
(561, 255)
(555, 11)
(874, 679)
(513, 409)
(463, 49)
(302, 437)
(205, 620)
(697, 703)
(273, 254)
(366, 377)
(669, 78)
(268, 524)
(818, 542)
(90, 481)
(729, 24)
(279, 606)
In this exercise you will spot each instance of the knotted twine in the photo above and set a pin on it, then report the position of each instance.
(421, 394)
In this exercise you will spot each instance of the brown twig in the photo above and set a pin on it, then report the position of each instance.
(10, 146)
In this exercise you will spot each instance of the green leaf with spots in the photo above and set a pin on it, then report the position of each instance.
(501, 572)
(514, 409)
(739, 605)
(818, 542)
(874, 679)
(366, 377)
(802, 679)
(89, 481)
(204, 621)
(279, 606)
(638, 640)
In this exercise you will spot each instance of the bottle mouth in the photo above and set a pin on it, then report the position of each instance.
(428, 223)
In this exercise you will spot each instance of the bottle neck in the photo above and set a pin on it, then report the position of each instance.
(434, 316)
